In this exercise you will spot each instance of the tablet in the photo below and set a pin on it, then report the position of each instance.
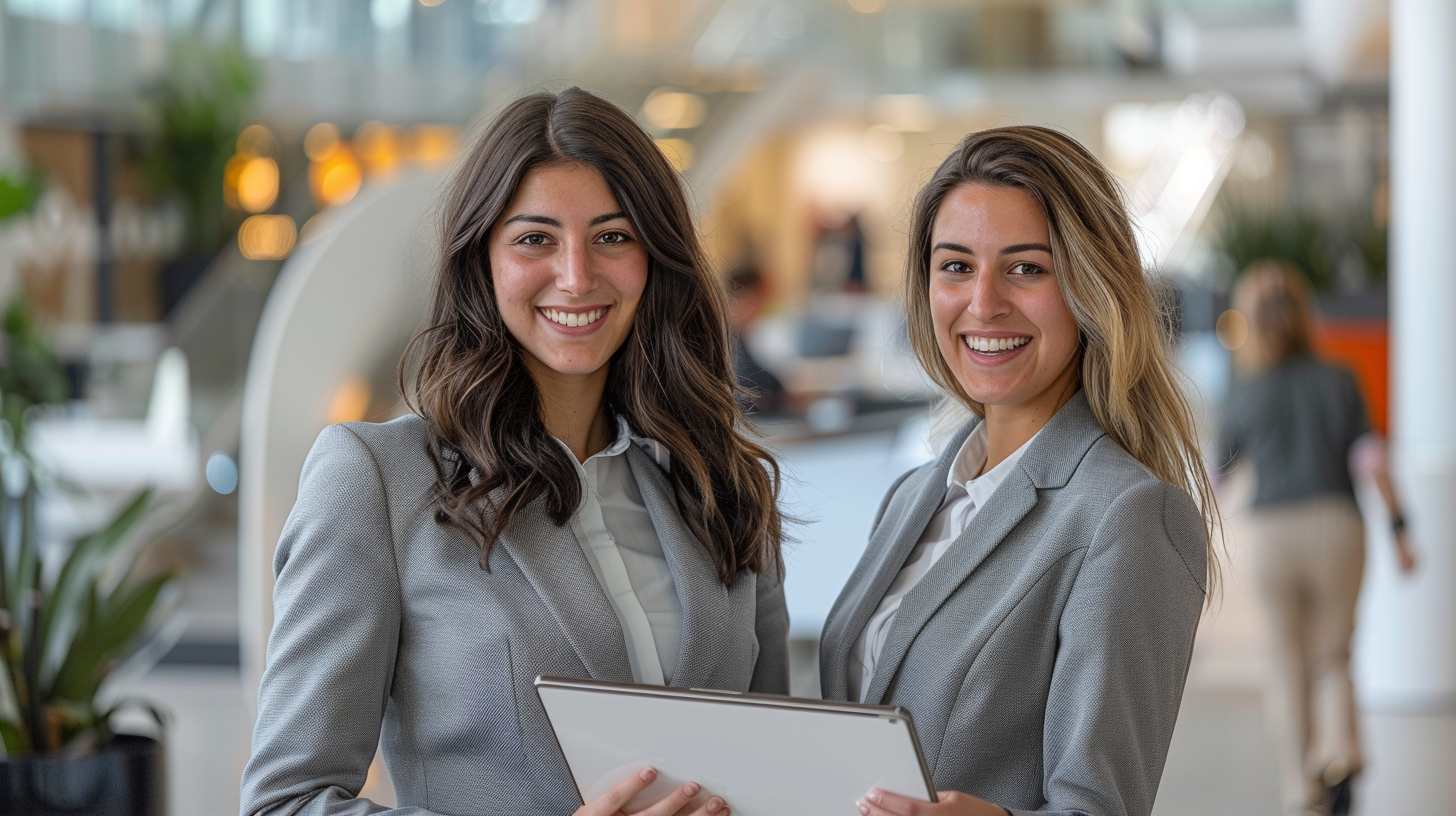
(765, 755)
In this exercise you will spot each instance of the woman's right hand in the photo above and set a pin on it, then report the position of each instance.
(678, 803)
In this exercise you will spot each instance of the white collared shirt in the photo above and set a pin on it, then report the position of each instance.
(967, 490)
(616, 533)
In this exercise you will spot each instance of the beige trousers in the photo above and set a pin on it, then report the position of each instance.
(1308, 558)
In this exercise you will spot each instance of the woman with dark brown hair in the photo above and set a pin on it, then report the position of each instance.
(573, 498)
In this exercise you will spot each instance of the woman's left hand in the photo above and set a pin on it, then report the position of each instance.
(952, 803)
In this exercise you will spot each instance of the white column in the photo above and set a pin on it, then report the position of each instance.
(1407, 645)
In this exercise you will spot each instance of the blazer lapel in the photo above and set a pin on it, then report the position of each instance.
(1048, 464)
(1003, 511)
(553, 563)
(706, 603)
(874, 577)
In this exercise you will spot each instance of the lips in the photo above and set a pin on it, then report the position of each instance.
(573, 320)
(994, 345)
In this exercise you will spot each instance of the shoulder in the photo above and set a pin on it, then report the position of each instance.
(393, 457)
(1133, 509)
(402, 442)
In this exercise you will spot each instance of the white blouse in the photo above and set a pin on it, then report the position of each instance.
(616, 533)
(967, 490)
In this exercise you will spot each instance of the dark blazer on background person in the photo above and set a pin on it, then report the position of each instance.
(384, 619)
(1043, 657)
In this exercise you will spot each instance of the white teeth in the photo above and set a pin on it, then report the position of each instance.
(987, 345)
(573, 319)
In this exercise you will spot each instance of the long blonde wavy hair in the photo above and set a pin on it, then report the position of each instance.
(1124, 367)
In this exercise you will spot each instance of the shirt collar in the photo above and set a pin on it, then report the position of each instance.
(965, 472)
(624, 438)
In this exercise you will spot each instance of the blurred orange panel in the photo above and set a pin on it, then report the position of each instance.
(1363, 346)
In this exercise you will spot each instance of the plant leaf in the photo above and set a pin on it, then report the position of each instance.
(85, 564)
(115, 628)
(13, 737)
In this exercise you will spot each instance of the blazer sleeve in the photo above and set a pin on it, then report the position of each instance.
(1126, 638)
(331, 655)
(771, 627)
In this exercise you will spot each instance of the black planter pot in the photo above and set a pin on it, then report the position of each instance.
(124, 779)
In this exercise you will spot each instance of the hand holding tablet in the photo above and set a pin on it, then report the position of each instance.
(680, 802)
(765, 755)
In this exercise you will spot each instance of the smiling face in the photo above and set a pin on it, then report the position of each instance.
(1000, 320)
(568, 271)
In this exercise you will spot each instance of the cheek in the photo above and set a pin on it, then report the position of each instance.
(946, 304)
(1057, 326)
(628, 276)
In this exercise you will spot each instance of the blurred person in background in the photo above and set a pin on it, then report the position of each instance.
(1303, 426)
(748, 297)
(542, 514)
(1031, 595)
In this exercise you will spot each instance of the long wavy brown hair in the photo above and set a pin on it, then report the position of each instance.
(1123, 366)
(672, 379)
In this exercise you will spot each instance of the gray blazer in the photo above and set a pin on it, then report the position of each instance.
(384, 618)
(1043, 657)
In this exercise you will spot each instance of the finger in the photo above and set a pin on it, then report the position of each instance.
(868, 808)
(670, 804)
(620, 794)
(713, 806)
(893, 803)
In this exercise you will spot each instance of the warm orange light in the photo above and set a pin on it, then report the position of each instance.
(336, 179)
(258, 184)
(350, 402)
(433, 145)
(340, 183)
(679, 152)
(377, 146)
(321, 141)
(1232, 330)
(255, 140)
(267, 237)
(231, 173)
(674, 110)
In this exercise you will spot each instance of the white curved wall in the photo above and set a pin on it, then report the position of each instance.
(341, 302)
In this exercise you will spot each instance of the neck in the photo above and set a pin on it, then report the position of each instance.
(1008, 427)
(571, 408)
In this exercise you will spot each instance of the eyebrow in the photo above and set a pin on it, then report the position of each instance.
(552, 222)
(1010, 250)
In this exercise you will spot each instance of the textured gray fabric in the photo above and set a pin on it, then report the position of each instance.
(1297, 422)
(383, 618)
(1043, 657)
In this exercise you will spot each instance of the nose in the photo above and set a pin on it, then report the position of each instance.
(988, 297)
(575, 274)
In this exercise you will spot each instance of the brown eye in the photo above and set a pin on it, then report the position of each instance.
(614, 237)
(532, 239)
(1026, 269)
(959, 267)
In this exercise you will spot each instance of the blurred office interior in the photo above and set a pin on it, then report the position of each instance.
(218, 213)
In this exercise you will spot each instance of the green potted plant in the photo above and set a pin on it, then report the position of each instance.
(196, 107)
(1251, 233)
(65, 627)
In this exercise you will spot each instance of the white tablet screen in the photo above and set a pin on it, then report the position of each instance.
(763, 758)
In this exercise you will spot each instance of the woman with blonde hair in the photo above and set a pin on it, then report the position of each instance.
(1031, 595)
(1302, 424)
